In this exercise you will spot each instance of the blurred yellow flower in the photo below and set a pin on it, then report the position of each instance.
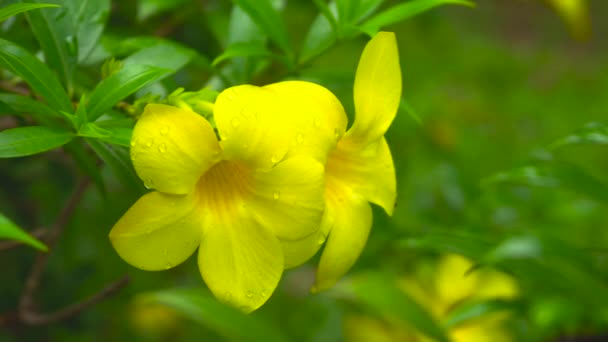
(576, 14)
(441, 289)
(359, 165)
(236, 198)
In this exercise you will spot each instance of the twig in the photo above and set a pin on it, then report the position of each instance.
(38, 233)
(32, 283)
(8, 86)
(34, 318)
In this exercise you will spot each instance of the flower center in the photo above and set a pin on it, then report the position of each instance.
(222, 188)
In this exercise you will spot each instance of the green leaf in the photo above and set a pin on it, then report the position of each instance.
(55, 33)
(39, 77)
(87, 163)
(121, 84)
(472, 244)
(27, 105)
(242, 49)
(117, 158)
(553, 174)
(163, 55)
(379, 292)
(25, 141)
(594, 133)
(201, 307)
(89, 18)
(320, 37)
(473, 310)
(328, 13)
(9, 230)
(14, 9)
(148, 8)
(120, 136)
(269, 20)
(404, 11)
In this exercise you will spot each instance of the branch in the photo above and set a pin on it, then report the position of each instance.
(34, 318)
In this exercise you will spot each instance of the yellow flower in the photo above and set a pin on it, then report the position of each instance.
(236, 198)
(358, 162)
(576, 15)
(441, 289)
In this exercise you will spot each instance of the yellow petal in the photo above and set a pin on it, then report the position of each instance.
(495, 285)
(316, 117)
(366, 169)
(299, 251)
(239, 260)
(350, 220)
(453, 283)
(377, 90)
(172, 147)
(288, 199)
(576, 14)
(248, 119)
(158, 232)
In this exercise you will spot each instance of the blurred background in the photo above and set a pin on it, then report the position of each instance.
(500, 150)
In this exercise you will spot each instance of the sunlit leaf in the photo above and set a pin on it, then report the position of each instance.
(13, 9)
(379, 293)
(35, 73)
(89, 19)
(27, 105)
(244, 49)
(320, 37)
(120, 136)
(25, 141)
(121, 84)
(269, 20)
(594, 133)
(9, 230)
(148, 8)
(163, 55)
(199, 306)
(404, 11)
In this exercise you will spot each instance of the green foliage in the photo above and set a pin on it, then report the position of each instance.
(491, 162)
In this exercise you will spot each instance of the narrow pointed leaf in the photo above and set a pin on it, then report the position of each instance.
(199, 306)
(269, 20)
(404, 11)
(25, 141)
(9, 230)
(13, 9)
(594, 133)
(121, 84)
(35, 73)
(244, 49)
(55, 33)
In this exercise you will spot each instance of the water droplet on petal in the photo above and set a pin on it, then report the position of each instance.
(274, 159)
(148, 183)
(249, 294)
(276, 195)
(317, 122)
(164, 130)
(162, 148)
(337, 133)
(321, 238)
(264, 293)
(150, 142)
(299, 138)
(134, 142)
(235, 122)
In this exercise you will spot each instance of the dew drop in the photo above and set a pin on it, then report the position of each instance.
(235, 122)
(264, 293)
(150, 142)
(168, 265)
(133, 142)
(149, 183)
(249, 294)
(337, 133)
(299, 138)
(321, 238)
(162, 148)
(317, 122)
(164, 130)
(276, 195)
(274, 159)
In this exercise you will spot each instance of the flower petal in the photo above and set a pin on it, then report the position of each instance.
(298, 252)
(158, 232)
(350, 221)
(316, 116)
(288, 199)
(172, 147)
(248, 119)
(377, 90)
(366, 169)
(239, 260)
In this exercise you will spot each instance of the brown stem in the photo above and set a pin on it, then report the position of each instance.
(34, 318)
